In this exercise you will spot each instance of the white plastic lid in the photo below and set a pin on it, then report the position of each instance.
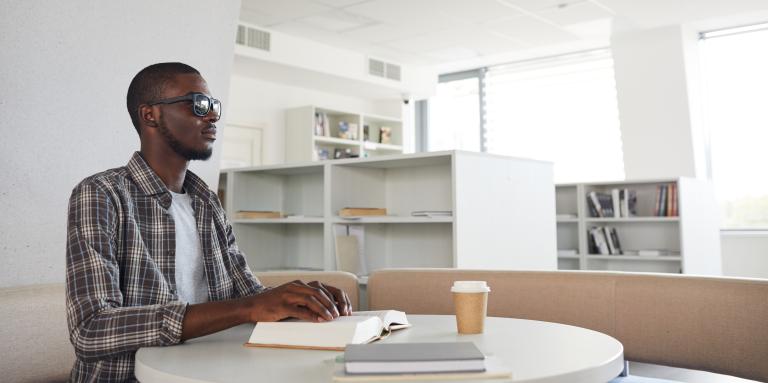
(470, 287)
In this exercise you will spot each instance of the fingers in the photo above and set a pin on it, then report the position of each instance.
(330, 295)
(303, 313)
(340, 297)
(314, 302)
(314, 298)
(318, 311)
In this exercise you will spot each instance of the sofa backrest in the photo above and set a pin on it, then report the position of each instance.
(34, 343)
(341, 279)
(704, 323)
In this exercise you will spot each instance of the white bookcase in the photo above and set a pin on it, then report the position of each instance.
(302, 143)
(689, 243)
(503, 215)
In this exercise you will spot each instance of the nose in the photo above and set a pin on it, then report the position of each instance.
(212, 116)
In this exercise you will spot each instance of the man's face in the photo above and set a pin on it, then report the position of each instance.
(190, 136)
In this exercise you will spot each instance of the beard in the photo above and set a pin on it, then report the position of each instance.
(189, 154)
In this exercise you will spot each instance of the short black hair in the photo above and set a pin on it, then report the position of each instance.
(148, 85)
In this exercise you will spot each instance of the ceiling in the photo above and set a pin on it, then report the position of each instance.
(441, 32)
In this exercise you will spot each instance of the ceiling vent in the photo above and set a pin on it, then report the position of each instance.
(252, 37)
(383, 69)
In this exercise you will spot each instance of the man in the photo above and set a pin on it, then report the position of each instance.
(151, 258)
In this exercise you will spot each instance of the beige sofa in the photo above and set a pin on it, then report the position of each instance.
(711, 324)
(34, 343)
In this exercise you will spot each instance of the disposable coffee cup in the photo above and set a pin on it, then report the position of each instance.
(470, 301)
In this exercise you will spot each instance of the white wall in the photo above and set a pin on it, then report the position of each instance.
(658, 89)
(261, 103)
(653, 97)
(65, 71)
(745, 254)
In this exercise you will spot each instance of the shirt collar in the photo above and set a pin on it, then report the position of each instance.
(151, 184)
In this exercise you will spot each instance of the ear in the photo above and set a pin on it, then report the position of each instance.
(148, 115)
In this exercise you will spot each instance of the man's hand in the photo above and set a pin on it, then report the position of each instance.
(314, 302)
(338, 296)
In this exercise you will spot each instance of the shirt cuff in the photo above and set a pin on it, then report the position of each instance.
(171, 317)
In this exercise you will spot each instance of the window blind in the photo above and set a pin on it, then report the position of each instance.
(561, 109)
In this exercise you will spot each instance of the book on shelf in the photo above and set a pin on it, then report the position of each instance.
(628, 202)
(614, 235)
(601, 204)
(653, 252)
(604, 241)
(413, 358)
(321, 124)
(359, 328)
(672, 200)
(432, 213)
(666, 200)
(594, 205)
(362, 211)
(598, 244)
(616, 203)
(606, 232)
(257, 214)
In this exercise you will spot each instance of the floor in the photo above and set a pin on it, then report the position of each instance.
(681, 374)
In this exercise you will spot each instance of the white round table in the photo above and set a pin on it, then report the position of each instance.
(533, 351)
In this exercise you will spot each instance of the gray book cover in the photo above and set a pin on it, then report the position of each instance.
(412, 352)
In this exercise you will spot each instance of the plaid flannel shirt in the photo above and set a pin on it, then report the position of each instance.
(121, 289)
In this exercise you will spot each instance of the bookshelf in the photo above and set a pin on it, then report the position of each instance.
(495, 223)
(687, 243)
(362, 138)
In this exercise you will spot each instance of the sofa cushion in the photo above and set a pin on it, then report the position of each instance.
(34, 342)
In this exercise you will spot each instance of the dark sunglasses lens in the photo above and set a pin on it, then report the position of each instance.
(201, 105)
(217, 108)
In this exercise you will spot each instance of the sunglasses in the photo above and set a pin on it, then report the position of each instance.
(201, 104)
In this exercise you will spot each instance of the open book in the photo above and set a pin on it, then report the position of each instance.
(361, 327)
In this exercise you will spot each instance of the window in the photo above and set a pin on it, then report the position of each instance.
(561, 109)
(735, 81)
(454, 113)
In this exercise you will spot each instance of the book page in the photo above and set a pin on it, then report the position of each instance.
(392, 319)
(335, 334)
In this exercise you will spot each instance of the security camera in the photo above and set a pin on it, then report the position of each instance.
(406, 98)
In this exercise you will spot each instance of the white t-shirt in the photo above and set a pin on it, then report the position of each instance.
(191, 284)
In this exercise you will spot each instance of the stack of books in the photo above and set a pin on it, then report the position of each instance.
(361, 211)
(432, 213)
(604, 240)
(417, 361)
(413, 358)
(666, 201)
(257, 214)
(616, 204)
